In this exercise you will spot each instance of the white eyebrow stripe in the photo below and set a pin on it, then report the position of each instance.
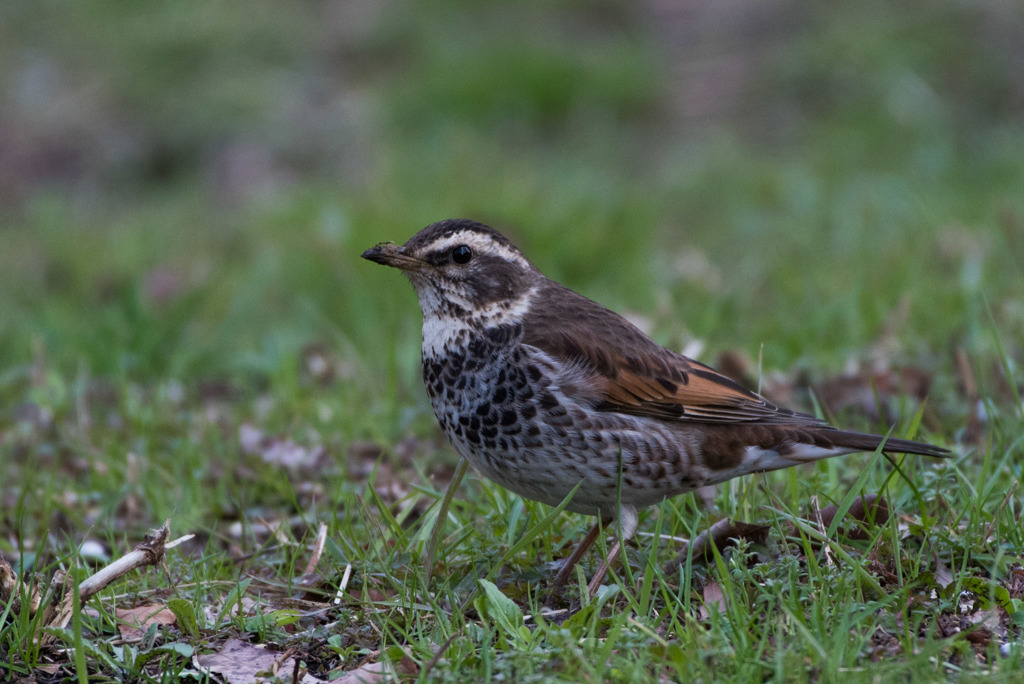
(480, 244)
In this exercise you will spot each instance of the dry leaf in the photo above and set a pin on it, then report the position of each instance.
(864, 509)
(865, 392)
(278, 450)
(714, 599)
(943, 575)
(370, 673)
(135, 621)
(723, 534)
(778, 388)
(239, 662)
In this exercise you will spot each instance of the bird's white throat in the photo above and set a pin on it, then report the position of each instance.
(443, 332)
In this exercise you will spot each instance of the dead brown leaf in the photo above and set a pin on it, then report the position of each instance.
(239, 662)
(736, 365)
(777, 387)
(884, 645)
(714, 599)
(870, 393)
(365, 460)
(868, 510)
(723, 534)
(943, 575)
(218, 390)
(278, 450)
(370, 673)
(989, 619)
(135, 621)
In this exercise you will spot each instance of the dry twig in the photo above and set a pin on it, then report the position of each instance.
(150, 551)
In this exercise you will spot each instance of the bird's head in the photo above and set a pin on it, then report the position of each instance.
(461, 268)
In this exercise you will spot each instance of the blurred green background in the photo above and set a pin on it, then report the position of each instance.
(187, 331)
(185, 188)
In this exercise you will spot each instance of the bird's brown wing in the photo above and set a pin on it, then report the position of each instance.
(630, 373)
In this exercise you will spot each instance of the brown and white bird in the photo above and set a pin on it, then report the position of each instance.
(541, 390)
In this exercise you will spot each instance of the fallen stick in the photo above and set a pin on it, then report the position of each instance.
(149, 551)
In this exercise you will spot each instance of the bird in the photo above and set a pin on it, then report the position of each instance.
(548, 393)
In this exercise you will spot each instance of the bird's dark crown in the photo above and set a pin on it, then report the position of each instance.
(436, 232)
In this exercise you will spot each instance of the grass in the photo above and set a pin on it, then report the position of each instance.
(181, 230)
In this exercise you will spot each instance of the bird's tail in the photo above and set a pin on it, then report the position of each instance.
(728, 451)
(858, 441)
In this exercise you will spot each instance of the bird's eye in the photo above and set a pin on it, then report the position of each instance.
(462, 254)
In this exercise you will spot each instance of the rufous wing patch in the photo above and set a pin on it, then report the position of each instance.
(702, 395)
(630, 373)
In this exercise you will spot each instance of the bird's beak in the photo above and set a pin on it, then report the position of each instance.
(390, 254)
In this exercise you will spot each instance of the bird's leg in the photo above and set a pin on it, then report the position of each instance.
(628, 521)
(558, 584)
